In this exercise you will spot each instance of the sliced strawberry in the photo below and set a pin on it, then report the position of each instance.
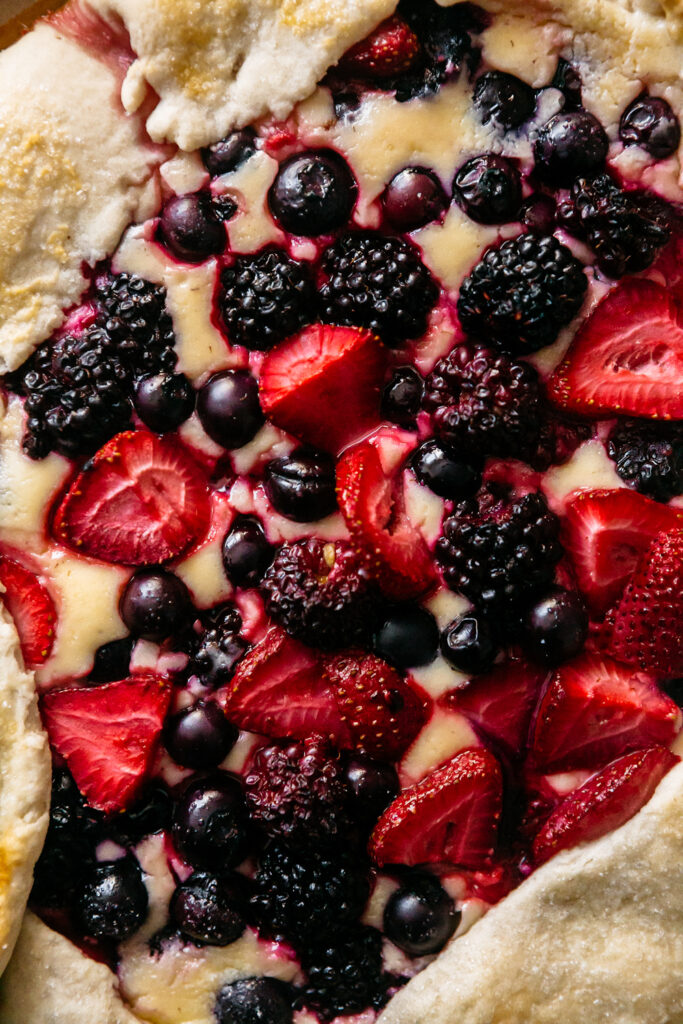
(452, 815)
(382, 711)
(279, 690)
(603, 803)
(108, 735)
(140, 500)
(500, 704)
(392, 49)
(324, 384)
(31, 607)
(373, 505)
(647, 623)
(605, 533)
(595, 710)
(627, 357)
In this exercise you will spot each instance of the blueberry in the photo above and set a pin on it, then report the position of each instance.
(445, 474)
(112, 661)
(253, 1001)
(189, 228)
(112, 900)
(301, 486)
(649, 122)
(568, 81)
(503, 99)
(164, 401)
(150, 814)
(569, 146)
(402, 397)
(489, 189)
(229, 153)
(555, 628)
(413, 198)
(228, 408)
(246, 552)
(468, 644)
(408, 637)
(420, 917)
(313, 193)
(155, 604)
(209, 908)
(372, 787)
(209, 821)
(199, 736)
(224, 206)
(538, 214)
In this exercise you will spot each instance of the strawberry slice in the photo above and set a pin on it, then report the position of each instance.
(627, 357)
(373, 505)
(108, 735)
(31, 607)
(605, 533)
(595, 710)
(139, 501)
(647, 624)
(279, 690)
(382, 711)
(324, 384)
(452, 815)
(392, 49)
(603, 803)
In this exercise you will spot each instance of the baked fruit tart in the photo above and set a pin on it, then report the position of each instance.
(341, 513)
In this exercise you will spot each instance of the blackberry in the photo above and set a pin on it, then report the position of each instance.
(320, 594)
(649, 457)
(135, 318)
(446, 45)
(521, 294)
(379, 283)
(264, 298)
(625, 230)
(497, 552)
(220, 646)
(345, 973)
(304, 891)
(484, 403)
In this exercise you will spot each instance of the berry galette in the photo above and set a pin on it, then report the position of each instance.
(341, 513)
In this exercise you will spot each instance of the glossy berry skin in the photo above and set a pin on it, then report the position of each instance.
(372, 786)
(228, 408)
(112, 661)
(408, 637)
(420, 916)
(313, 193)
(414, 197)
(230, 152)
(537, 214)
(402, 397)
(253, 1001)
(164, 401)
(210, 908)
(468, 644)
(569, 146)
(444, 473)
(112, 901)
(555, 627)
(155, 604)
(301, 486)
(189, 228)
(503, 99)
(489, 189)
(199, 736)
(649, 122)
(209, 822)
(246, 552)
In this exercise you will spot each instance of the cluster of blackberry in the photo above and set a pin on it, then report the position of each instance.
(218, 649)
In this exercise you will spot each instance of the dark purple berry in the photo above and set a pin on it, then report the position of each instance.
(253, 1001)
(302, 486)
(313, 193)
(414, 197)
(246, 552)
(228, 408)
(489, 189)
(408, 637)
(649, 122)
(149, 815)
(555, 627)
(199, 736)
(220, 646)
(210, 820)
(674, 689)
(210, 909)
(155, 604)
(568, 81)
(649, 456)
(503, 99)
(189, 228)
(537, 213)
(229, 153)
(570, 145)
(372, 787)
(443, 472)
(112, 900)
(468, 644)
(164, 401)
(224, 206)
(402, 397)
(420, 917)
(112, 661)
(345, 973)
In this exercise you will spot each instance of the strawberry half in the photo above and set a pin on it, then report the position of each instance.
(627, 357)
(392, 49)
(108, 735)
(141, 500)
(32, 610)
(647, 623)
(324, 384)
(452, 816)
(603, 803)
(382, 711)
(373, 505)
(605, 533)
(595, 710)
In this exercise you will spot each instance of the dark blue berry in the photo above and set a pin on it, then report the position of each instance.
(199, 736)
(112, 661)
(414, 197)
(503, 99)
(209, 822)
(555, 627)
(151, 813)
(246, 552)
(468, 644)
(420, 916)
(372, 787)
(489, 189)
(443, 472)
(313, 193)
(253, 1001)
(301, 486)
(570, 145)
(112, 900)
(155, 604)
(189, 228)
(568, 81)
(408, 637)
(649, 122)
(210, 908)
(229, 153)
(402, 397)
(164, 401)
(538, 214)
(228, 408)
